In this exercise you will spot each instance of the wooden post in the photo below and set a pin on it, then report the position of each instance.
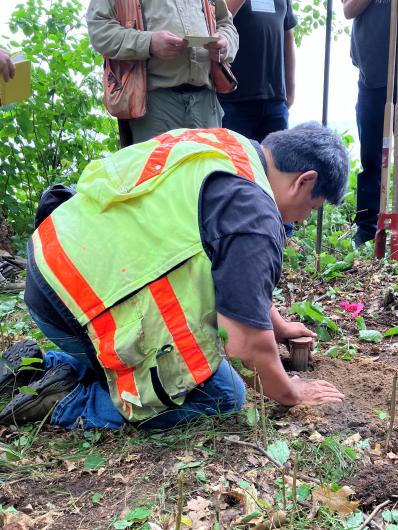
(300, 352)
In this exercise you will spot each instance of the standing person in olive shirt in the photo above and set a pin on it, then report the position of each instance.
(180, 91)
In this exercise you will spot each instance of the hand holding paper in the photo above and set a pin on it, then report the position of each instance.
(7, 69)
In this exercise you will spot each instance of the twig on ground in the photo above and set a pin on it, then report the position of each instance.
(180, 501)
(392, 410)
(304, 478)
(373, 514)
(262, 410)
(13, 287)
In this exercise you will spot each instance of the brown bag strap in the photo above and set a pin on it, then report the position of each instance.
(129, 14)
(210, 17)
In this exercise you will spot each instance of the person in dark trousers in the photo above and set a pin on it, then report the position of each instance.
(265, 69)
(369, 52)
(163, 244)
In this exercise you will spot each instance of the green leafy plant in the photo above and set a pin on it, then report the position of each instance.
(314, 314)
(53, 135)
(370, 335)
(343, 351)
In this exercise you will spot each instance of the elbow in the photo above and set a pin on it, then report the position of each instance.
(349, 10)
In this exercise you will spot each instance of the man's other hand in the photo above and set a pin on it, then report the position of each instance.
(292, 330)
(218, 49)
(315, 392)
(7, 69)
(166, 45)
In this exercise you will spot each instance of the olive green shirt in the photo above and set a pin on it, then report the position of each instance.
(181, 17)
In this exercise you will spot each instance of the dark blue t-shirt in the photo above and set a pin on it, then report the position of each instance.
(370, 43)
(243, 235)
(259, 65)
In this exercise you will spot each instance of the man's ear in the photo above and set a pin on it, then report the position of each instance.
(305, 181)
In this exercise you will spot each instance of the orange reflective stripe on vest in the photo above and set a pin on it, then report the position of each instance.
(226, 142)
(176, 322)
(105, 328)
(84, 296)
(65, 271)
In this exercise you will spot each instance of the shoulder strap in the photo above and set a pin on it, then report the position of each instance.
(210, 16)
(129, 13)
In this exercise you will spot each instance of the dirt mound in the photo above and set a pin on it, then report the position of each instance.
(367, 386)
(374, 484)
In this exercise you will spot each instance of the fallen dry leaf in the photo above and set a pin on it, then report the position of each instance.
(337, 501)
(316, 437)
(199, 513)
(16, 521)
(376, 450)
(276, 520)
(352, 440)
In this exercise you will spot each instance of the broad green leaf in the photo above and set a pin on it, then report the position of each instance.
(223, 334)
(96, 498)
(390, 516)
(94, 461)
(247, 518)
(28, 390)
(353, 521)
(279, 451)
(391, 332)
(139, 514)
(252, 416)
(201, 476)
(240, 368)
(370, 335)
(121, 524)
(26, 361)
(187, 465)
(244, 484)
(360, 323)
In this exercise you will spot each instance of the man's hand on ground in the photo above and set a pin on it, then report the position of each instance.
(315, 392)
(166, 45)
(218, 49)
(7, 69)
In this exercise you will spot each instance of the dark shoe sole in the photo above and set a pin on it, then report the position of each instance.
(11, 374)
(56, 384)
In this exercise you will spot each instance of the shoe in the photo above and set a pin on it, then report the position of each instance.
(56, 384)
(360, 238)
(11, 362)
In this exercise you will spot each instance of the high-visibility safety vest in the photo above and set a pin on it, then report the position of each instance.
(125, 256)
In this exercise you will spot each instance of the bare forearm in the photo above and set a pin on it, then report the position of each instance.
(354, 8)
(290, 66)
(234, 5)
(276, 383)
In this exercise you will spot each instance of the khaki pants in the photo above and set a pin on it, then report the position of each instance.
(167, 109)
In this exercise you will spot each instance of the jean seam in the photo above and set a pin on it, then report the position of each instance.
(60, 407)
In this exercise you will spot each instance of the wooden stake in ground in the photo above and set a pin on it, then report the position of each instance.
(388, 220)
(300, 353)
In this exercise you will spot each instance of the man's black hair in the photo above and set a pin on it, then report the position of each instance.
(311, 146)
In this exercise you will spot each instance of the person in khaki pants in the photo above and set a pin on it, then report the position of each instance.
(180, 91)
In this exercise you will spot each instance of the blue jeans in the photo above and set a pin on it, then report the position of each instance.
(255, 119)
(370, 117)
(89, 404)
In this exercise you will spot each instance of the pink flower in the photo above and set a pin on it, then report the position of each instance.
(355, 309)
